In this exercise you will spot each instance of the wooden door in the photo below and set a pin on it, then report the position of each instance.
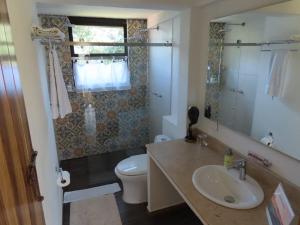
(20, 200)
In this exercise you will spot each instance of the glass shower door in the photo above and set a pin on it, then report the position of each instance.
(160, 77)
(229, 79)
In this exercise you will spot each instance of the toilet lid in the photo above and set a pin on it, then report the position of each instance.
(134, 165)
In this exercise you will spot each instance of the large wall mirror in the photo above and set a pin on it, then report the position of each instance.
(253, 76)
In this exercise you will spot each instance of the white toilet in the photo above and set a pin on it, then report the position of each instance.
(133, 174)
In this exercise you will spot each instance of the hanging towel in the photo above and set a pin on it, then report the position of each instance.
(277, 74)
(52, 32)
(60, 103)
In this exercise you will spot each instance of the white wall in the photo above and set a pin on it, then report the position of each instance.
(32, 68)
(160, 17)
(283, 165)
(281, 27)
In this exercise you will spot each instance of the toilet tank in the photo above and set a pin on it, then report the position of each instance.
(161, 138)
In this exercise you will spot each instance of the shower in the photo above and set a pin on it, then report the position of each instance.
(225, 29)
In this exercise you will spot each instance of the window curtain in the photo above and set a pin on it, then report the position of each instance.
(101, 75)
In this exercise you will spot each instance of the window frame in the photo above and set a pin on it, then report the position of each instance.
(93, 21)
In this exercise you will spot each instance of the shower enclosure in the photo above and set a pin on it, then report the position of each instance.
(106, 121)
(160, 77)
(231, 80)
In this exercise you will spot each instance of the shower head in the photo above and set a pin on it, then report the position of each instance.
(225, 29)
(236, 24)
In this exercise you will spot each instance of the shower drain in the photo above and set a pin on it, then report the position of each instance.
(229, 199)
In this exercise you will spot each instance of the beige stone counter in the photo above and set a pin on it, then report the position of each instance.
(178, 160)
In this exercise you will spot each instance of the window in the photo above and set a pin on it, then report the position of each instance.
(87, 29)
(101, 71)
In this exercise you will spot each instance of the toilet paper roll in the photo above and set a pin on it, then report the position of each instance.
(63, 179)
(161, 138)
(267, 140)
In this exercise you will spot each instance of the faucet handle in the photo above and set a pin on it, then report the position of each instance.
(241, 162)
(241, 166)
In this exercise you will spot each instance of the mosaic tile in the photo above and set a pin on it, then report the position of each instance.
(212, 90)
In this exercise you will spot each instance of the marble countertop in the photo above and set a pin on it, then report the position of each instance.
(179, 159)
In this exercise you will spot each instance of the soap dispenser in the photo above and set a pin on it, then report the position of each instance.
(228, 158)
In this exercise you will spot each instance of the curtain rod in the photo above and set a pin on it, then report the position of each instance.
(238, 44)
(88, 57)
(128, 44)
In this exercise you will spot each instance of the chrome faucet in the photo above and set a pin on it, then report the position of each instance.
(241, 166)
(201, 138)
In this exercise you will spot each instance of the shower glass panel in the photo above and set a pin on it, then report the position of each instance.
(229, 86)
(231, 96)
(160, 76)
(222, 77)
(231, 79)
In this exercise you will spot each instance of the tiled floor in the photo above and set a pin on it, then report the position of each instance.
(92, 171)
(99, 170)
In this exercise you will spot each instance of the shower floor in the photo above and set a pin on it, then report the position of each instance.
(98, 170)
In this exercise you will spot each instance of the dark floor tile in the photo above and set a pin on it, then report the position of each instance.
(138, 214)
(66, 214)
(92, 171)
(98, 170)
(95, 170)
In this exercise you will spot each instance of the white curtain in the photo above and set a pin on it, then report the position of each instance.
(101, 75)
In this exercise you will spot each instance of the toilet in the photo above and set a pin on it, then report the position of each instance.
(133, 174)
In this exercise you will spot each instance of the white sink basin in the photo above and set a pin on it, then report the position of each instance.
(224, 187)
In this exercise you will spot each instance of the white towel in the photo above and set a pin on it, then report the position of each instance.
(60, 103)
(277, 74)
(295, 37)
(53, 32)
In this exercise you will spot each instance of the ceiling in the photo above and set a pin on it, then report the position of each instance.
(137, 4)
(94, 11)
(285, 9)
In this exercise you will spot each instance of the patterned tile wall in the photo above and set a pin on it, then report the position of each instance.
(214, 77)
(116, 120)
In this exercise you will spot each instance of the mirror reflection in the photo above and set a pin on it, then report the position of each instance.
(253, 76)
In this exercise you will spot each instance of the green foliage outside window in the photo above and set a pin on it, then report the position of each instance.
(82, 33)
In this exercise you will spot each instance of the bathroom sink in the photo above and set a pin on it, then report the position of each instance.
(224, 187)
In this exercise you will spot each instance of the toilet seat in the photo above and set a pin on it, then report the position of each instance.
(133, 174)
(133, 166)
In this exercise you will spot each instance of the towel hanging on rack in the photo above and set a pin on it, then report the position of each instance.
(39, 32)
(60, 103)
(277, 74)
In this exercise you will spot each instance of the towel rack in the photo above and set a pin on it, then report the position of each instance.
(254, 44)
(128, 44)
(45, 39)
(270, 50)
